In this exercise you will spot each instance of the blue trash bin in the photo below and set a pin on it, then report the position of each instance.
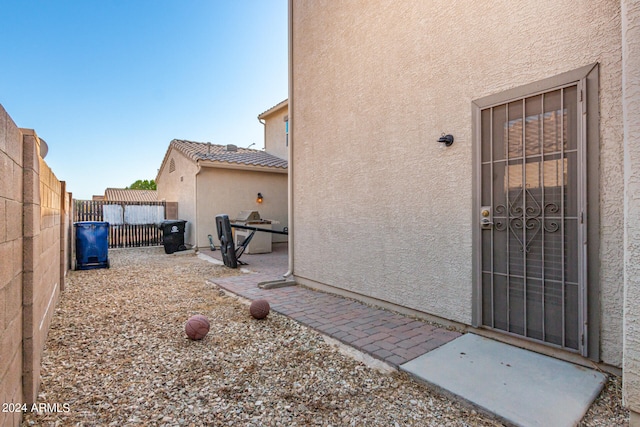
(92, 245)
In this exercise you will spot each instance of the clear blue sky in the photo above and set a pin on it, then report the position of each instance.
(109, 83)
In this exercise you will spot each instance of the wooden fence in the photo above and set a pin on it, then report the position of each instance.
(131, 224)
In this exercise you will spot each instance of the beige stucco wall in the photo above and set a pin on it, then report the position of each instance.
(230, 191)
(631, 102)
(275, 136)
(379, 208)
(180, 186)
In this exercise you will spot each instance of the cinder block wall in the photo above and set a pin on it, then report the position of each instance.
(34, 259)
(65, 233)
(11, 275)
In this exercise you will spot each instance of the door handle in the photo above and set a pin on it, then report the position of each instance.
(486, 219)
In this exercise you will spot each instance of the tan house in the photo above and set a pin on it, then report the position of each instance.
(208, 179)
(526, 228)
(276, 129)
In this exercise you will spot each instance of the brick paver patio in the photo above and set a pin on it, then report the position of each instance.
(385, 335)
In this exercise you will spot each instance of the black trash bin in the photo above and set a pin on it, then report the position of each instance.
(173, 235)
(92, 244)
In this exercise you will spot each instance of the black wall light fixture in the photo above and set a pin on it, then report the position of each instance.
(447, 140)
(259, 199)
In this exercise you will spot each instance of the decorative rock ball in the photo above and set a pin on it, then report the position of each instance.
(259, 308)
(197, 327)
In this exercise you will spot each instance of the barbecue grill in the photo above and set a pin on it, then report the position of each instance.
(261, 242)
(231, 254)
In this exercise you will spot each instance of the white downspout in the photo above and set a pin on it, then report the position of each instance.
(195, 197)
(264, 133)
(289, 273)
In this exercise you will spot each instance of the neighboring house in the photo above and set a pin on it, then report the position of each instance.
(127, 195)
(209, 179)
(126, 206)
(276, 130)
(526, 228)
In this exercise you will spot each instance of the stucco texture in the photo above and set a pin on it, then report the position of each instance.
(179, 185)
(275, 135)
(380, 208)
(631, 101)
(229, 191)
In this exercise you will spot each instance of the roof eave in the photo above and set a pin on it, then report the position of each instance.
(241, 166)
(274, 109)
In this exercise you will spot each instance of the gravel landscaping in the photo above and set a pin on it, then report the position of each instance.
(117, 355)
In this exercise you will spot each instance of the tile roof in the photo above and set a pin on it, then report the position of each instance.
(220, 153)
(125, 195)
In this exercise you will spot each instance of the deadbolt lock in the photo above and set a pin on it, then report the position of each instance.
(486, 222)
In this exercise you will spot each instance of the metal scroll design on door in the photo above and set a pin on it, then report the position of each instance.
(531, 217)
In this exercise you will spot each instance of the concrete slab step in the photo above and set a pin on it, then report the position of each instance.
(522, 387)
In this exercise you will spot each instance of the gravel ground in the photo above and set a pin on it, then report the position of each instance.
(117, 355)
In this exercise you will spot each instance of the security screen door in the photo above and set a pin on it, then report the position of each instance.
(531, 210)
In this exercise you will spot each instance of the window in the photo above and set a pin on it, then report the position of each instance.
(286, 130)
